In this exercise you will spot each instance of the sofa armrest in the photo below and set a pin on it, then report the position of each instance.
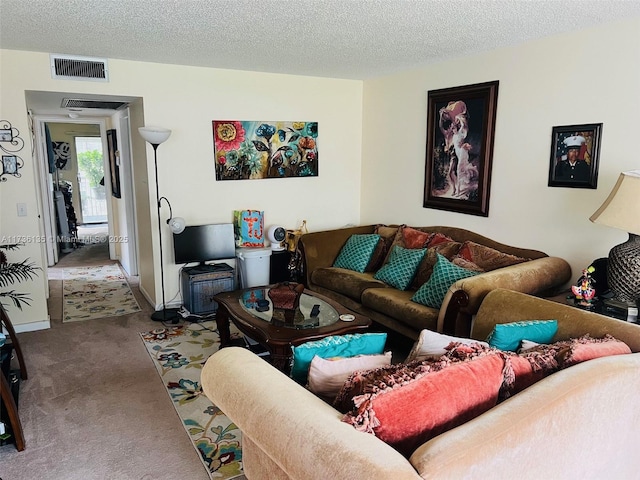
(299, 432)
(582, 422)
(320, 249)
(531, 277)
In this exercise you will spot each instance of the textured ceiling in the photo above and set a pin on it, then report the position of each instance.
(353, 39)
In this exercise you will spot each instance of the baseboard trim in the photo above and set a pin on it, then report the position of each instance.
(33, 326)
(157, 307)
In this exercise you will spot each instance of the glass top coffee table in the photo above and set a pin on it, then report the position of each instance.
(278, 330)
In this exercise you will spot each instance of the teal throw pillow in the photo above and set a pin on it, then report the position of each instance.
(507, 336)
(401, 267)
(356, 253)
(444, 275)
(348, 345)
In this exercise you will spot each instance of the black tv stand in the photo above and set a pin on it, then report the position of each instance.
(207, 268)
(201, 282)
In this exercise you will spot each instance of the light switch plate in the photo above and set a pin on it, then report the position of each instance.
(22, 209)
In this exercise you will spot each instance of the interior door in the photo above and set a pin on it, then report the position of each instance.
(45, 194)
(128, 251)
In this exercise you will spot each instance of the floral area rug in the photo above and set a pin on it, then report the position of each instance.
(179, 354)
(96, 292)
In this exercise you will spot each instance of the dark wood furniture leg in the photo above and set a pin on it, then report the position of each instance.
(281, 357)
(222, 321)
(6, 323)
(12, 410)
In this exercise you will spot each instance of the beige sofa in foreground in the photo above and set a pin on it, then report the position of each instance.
(579, 423)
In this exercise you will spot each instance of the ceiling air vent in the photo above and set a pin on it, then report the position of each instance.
(71, 67)
(84, 103)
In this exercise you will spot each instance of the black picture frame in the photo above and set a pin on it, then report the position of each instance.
(9, 164)
(114, 167)
(585, 141)
(460, 133)
(6, 135)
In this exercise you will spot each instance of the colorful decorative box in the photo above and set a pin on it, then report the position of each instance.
(249, 228)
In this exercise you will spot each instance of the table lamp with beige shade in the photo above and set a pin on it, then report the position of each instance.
(621, 210)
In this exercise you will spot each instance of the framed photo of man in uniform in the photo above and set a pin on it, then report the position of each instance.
(575, 150)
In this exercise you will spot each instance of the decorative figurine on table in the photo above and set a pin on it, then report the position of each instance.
(584, 290)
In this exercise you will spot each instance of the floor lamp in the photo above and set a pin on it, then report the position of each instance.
(155, 136)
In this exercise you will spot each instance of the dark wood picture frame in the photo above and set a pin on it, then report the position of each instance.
(460, 131)
(114, 168)
(584, 140)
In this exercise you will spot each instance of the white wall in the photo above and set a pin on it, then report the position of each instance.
(186, 100)
(592, 76)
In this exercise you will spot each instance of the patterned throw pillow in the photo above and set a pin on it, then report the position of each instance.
(401, 267)
(444, 275)
(425, 269)
(327, 375)
(423, 400)
(415, 238)
(461, 262)
(507, 336)
(419, 237)
(437, 239)
(433, 344)
(387, 235)
(587, 348)
(487, 258)
(348, 345)
(356, 253)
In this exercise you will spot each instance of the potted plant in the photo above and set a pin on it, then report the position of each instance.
(14, 272)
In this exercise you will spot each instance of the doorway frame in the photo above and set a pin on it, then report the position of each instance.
(104, 173)
(45, 181)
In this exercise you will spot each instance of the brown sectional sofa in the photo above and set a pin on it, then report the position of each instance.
(393, 309)
(580, 422)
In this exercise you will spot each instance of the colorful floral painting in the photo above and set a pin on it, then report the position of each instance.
(254, 150)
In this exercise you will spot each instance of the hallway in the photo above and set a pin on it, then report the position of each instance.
(93, 249)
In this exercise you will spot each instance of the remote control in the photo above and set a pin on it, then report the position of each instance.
(315, 310)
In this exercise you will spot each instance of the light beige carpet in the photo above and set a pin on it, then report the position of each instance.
(96, 292)
(94, 407)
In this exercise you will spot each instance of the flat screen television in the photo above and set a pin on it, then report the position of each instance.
(202, 243)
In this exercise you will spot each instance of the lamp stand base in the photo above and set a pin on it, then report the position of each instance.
(623, 270)
(166, 315)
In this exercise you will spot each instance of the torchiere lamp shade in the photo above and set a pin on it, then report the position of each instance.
(154, 135)
(621, 210)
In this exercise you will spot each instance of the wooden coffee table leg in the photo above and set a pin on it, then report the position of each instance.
(222, 321)
(281, 358)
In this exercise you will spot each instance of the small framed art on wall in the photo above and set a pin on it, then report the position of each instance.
(575, 151)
